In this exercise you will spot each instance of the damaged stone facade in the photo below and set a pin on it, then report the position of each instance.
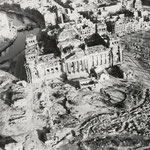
(75, 62)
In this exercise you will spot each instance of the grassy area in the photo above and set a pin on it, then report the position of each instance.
(138, 46)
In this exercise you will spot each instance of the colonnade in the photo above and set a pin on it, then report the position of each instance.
(84, 65)
(76, 66)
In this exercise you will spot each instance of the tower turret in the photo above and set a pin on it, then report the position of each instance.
(31, 49)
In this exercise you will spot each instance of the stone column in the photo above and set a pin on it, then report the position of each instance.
(89, 63)
(111, 57)
(101, 56)
(71, 67)
(73, 63)
(84, 62)
(62, 19)
(70, 64)
(93, 63)
(97, 61)
(75, 66)
(108, 58)
(82, 65)
(120, 52)
(78, 66)
(105, 58)
(67, 68)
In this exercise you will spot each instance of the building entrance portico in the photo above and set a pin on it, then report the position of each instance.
(77, 68)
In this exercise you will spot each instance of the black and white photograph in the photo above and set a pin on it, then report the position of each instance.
(74, 74)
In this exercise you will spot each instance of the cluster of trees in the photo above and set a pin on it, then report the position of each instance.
(86, 1)
(146, 18)
(48, 43)
(88, 15)
(115, 71)
(95, 39)
(146, 2)
(110, 26)
(34, 14)
(124, 11)
(65, 5)
(11, 7)
(53, 9)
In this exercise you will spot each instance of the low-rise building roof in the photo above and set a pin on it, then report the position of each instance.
(49, 59)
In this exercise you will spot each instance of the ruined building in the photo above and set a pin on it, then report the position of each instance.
(77, 57)
(138, 4)
(130, 4)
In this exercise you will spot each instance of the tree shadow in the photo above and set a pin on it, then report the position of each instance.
(6, 140)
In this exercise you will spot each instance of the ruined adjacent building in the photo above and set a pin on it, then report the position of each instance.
(77, 56)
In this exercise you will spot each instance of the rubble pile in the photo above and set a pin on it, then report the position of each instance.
(138, 45)
(61, 117)
(91, 114)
